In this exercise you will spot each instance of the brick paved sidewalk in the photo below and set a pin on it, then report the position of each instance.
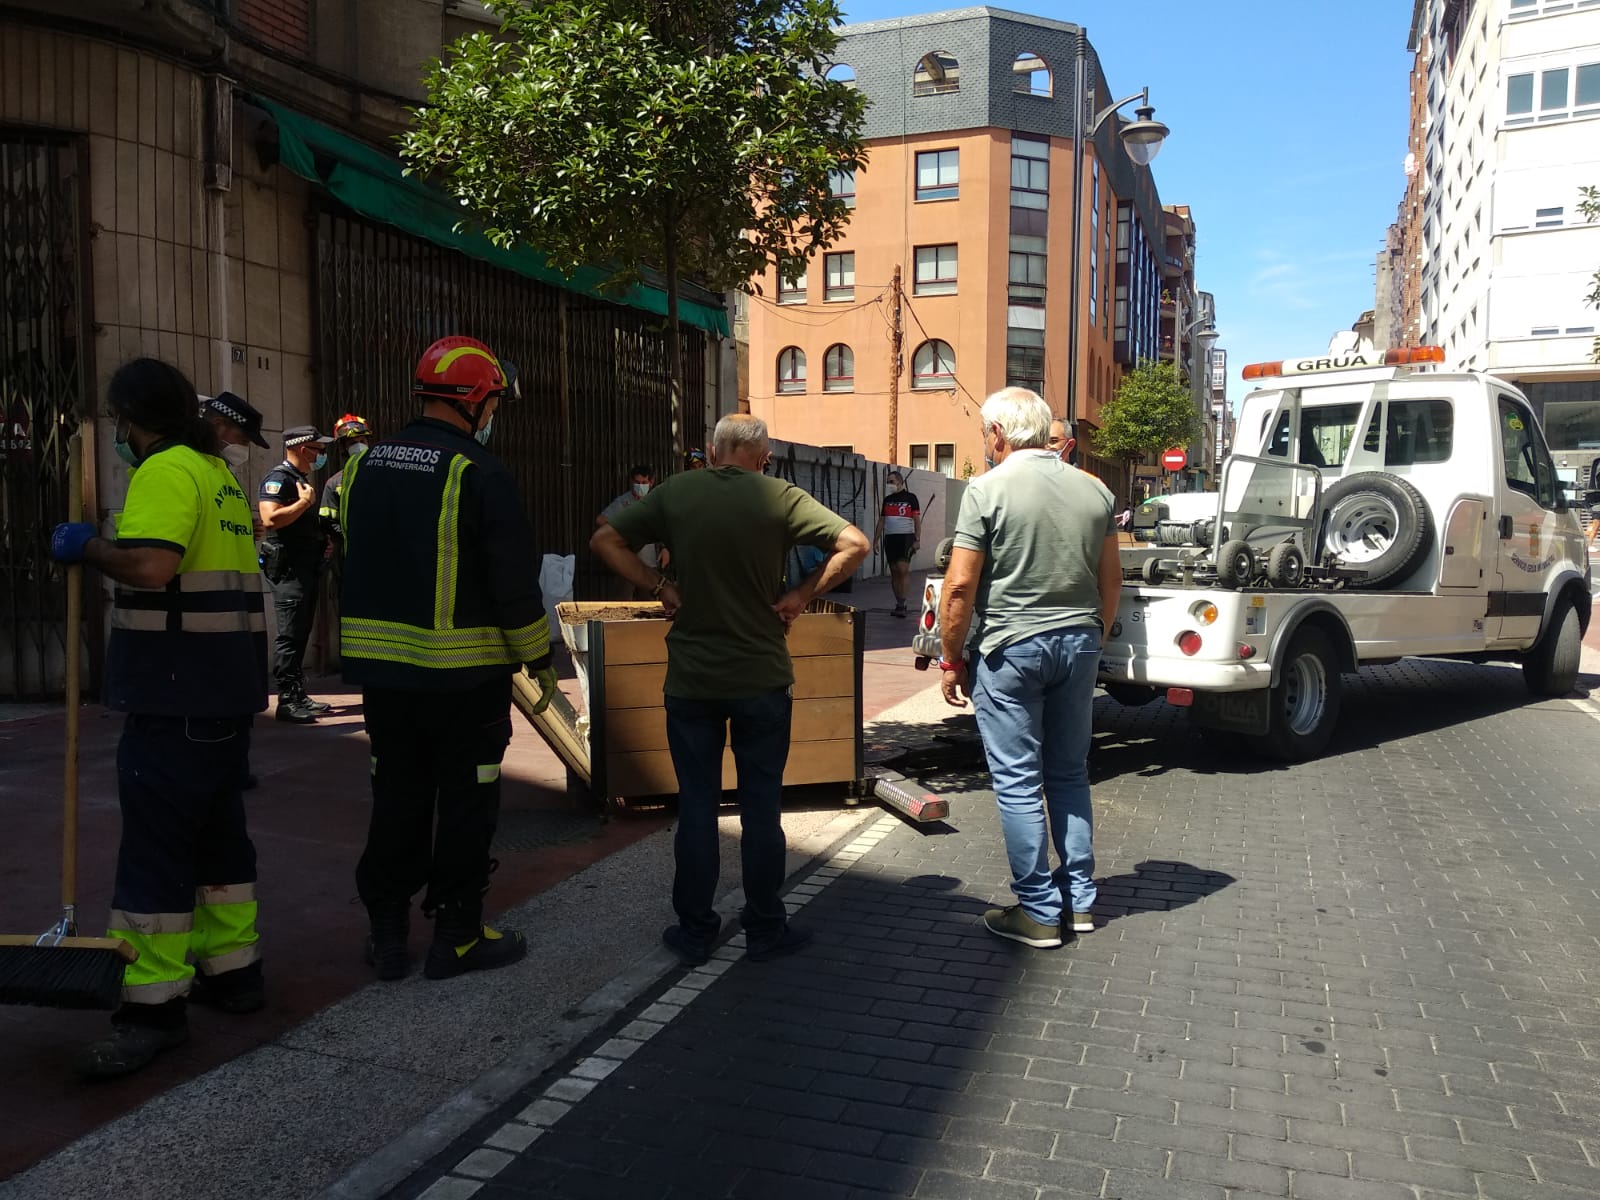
(1364, 978)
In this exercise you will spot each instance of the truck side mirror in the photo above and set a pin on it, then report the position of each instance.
(1592, 499)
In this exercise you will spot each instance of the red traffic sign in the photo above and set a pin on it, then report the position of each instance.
(1174, 459)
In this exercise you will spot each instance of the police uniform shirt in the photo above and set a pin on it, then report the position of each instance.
(303, 537)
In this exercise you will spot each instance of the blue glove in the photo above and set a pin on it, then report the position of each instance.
(69, 539)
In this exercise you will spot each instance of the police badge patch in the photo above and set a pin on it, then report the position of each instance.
(272, 487)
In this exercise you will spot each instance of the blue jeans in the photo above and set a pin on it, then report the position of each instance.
(697, 730)
(1034, 703)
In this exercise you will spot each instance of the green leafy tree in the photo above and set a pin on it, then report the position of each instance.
(1589, 206)
(695, 137)
(1151, 412)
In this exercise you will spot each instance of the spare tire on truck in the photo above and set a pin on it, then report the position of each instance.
(1378, 524)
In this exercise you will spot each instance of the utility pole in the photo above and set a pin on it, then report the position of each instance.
(896, 340)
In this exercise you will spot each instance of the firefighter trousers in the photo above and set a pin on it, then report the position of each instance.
(435, 794)
(186, 868)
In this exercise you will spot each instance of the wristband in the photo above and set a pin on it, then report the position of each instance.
(946, 665)
(661, 583)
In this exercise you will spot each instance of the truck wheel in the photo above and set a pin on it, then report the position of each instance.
(941, 554)
(1236, 564)
(1130, 695)
(1378, 524)
(1286, 566)
(1151, 572)
(1550, 667)
(1303, 706)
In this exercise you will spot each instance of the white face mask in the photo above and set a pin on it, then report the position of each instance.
(357, 449)
(641, 490)
(236, 456)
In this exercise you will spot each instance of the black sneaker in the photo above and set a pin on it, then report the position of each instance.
(295, 713)
(787, 941)
(691, 951)
(899, 610)
(491, 949)
(1017, 926)
(317, 707)
(129, 1048)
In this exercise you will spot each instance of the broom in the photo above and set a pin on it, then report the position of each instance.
(58, 969)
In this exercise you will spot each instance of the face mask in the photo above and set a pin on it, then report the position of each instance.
(319, 462)
(123, 447)
(482, 436)
(357, 449)
(641, 490)
(236, 456)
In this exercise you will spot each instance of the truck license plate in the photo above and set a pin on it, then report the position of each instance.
(1242, 712)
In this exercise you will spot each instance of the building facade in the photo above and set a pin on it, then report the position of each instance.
(959, 247)
(210, 184)
(1512, 133)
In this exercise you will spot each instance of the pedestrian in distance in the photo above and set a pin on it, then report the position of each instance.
(1033, 581)
(731, 528)
(898, 535)
(292, 553)
(640, 480)
(186, 662)
(440, 608)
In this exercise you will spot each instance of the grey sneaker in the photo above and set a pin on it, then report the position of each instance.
(1082, 922)
(1018, 926)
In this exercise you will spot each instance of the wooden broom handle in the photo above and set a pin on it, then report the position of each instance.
(69, 789)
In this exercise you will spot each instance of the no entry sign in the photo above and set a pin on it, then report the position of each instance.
(1174, 459)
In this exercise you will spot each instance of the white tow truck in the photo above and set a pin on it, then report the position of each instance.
(1373, 509)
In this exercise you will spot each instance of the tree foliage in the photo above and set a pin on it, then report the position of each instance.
(694, 136)
(1151, 412)
(1589, 206)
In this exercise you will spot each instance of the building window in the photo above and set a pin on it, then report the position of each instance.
(841, 73)
(843, 186)
(1521, 9)
(1025, 359)
(1030, 75)
(938, 174)
(1025, 278)
(1549, 218)
(840, 276)
(935, 271)
(791, 370)
(1030, 173)
(933, 365)
(919, 456)
(944, 459)
(839, 369)
(792, 291)
(1562, 92)
(936, 74)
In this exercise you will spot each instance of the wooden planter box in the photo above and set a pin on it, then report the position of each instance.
(621, 655)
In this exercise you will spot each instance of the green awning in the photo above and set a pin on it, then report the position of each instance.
(375, 185)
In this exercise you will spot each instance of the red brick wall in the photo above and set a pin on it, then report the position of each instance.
(284, 24)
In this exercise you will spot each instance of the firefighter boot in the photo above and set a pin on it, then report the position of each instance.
(386, 944)
(462, 943)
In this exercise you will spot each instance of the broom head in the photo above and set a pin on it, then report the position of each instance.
(72, 972)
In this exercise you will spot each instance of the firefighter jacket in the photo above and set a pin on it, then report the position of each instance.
(441, 587)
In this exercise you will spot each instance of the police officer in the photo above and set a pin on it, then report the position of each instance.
(440, 607)
(187, 663)
(292, 553)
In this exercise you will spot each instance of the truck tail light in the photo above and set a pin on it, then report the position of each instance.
(1203, 611)
(1189, 642)
(1181, 697)
(1246, 651)
(928, 619)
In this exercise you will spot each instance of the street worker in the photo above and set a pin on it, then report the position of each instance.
(640, 480)
(187, 663)
(1032, 583)
(728, 669)
(351, 437)
(440, 608)
(292, 554)
(898, 535)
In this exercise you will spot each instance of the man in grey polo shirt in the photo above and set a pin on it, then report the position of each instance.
(1033, 580)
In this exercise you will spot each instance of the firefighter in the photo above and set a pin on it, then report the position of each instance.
(440, 607)
(292, 553)
(351, 435)
(187, 663)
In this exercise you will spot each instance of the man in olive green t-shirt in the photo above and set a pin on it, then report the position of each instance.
(728, 671)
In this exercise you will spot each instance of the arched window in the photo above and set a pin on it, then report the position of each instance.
(1030, 75)
(791, 370)
(933, 365)
(936, 74)
(841, 73)
(839, 369)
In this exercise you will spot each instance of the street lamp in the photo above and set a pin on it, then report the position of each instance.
(1142, 139)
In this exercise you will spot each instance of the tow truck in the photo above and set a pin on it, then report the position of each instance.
(1375, 508)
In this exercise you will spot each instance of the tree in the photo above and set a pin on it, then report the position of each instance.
(693, 136)
(1151, 412)
(1589, 206)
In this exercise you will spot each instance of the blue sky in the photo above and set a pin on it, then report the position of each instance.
(1288, 137)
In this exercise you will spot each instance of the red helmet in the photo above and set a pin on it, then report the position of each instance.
(461, 370)
(351, 426)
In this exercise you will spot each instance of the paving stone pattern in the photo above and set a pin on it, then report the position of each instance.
(1371, 977)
